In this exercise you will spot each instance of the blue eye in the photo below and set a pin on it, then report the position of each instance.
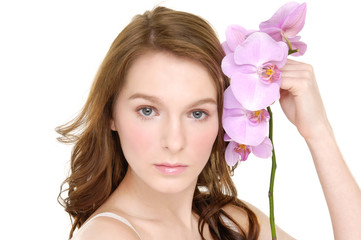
(199, 115)
(146, 111)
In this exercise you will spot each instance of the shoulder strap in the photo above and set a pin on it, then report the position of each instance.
(115, 216)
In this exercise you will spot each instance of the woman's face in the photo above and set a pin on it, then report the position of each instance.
(167, 120)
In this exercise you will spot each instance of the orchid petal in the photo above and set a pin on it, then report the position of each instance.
(244, 153)
(301, 46)
(226, 49)
(252, 93)
(294, 39)
(263, 150)
(229, 100)
(278, 17)
(235, 127)
(233, 113)
(227, 138)
(295, 21)
(274, 32)
(260, 48)
(229, 67)
(235, 35)
(239, 129)
(240, 124)
(283, 49)
(231, 156)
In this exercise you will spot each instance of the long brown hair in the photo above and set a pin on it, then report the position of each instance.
(97, 162)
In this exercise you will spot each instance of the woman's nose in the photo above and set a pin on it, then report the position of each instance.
(173, 135)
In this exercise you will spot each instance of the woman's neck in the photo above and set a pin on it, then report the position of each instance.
(138, 199)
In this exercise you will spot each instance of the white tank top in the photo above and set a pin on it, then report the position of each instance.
(111, 215)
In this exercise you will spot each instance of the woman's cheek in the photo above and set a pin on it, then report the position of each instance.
(204, 140)
(136, 139)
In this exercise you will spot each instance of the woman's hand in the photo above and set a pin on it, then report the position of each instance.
(301, 100)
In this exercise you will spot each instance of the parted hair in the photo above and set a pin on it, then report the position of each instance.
(97, 163)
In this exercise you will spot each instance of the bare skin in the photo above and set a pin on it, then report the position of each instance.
(302, 104)
(169, 215)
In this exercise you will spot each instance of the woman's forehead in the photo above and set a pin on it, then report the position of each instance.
(165, 74)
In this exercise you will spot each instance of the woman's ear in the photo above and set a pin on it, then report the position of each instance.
(112, 125)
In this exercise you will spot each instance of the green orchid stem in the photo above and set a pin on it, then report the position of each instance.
(273, 172)
(290, 51)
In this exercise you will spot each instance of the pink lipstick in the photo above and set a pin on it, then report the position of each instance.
(170, 169)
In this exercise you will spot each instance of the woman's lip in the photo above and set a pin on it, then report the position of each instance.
(171, 169)
(171, 164)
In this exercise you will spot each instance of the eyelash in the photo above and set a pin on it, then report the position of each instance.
(144, 117)
(204, 116)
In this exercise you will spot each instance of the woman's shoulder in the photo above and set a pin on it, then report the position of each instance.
(106, 226)
(240, 215)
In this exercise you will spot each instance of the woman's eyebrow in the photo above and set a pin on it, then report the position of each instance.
(146, 97)
(159, 101)
(203, 101)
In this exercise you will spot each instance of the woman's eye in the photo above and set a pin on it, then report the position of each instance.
(199, 115)
(146, 111)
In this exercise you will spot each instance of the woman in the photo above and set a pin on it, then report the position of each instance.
(148, 160)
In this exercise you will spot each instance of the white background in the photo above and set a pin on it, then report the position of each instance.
(51, 50)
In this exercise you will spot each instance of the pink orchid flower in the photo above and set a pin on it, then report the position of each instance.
(242, 125)
(235, 35)
(285, 24)
(239, 152)
(254, 69)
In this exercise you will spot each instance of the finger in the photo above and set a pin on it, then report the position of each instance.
(287, 83)
(298, 66)
(291, 67)
(291, 61)
(292, 84)
(296, 74)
